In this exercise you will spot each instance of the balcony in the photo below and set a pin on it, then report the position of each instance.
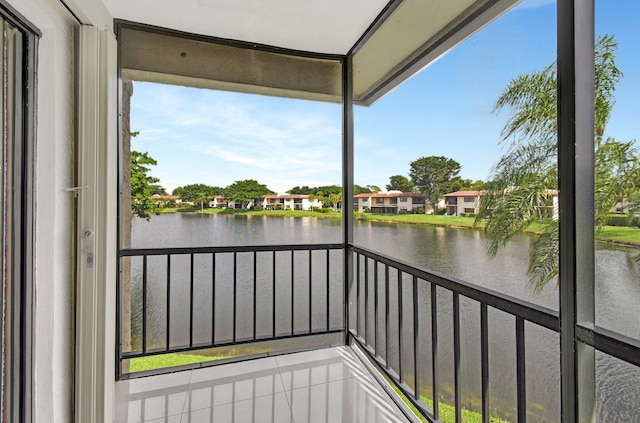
(66, 118)
(239, 306)
(385, 322)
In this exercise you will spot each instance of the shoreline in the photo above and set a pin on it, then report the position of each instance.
(618, 235)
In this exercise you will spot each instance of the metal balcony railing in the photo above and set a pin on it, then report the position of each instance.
(407, 280)
(189, 299)
(375, 303)
(390, 308)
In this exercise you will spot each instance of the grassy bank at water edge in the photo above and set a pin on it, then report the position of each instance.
(626, 235)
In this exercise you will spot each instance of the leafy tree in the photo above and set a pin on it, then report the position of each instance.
(525, 176)
(158, 189)
(460, 184)
(325, 190)
(478, 185)
(373, 188)
(202, 198)
(433, 176)
(246, 191)
(320, 197)
(197, 193)
(399, 183)
(357, 189)
(335, 200)
(617, 169)
(142, 205)
(303, 190)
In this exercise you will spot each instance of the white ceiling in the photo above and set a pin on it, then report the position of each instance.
(321, 26)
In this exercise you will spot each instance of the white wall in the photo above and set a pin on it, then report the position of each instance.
(54, 227)
(53, 347)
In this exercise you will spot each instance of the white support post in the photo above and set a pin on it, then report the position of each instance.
(96, 242)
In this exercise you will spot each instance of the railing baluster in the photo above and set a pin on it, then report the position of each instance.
(144, 304)
(273, 295)
(386, 316)
(191, 302)
(310, 287)
(255, 293)
(292, 292)
(327, 288)
(434, 350)
(358, 320)
(168, 317)
(366, 301)
(375, 307)
(213, 299)
(484, 355)
(521, 371)
(235, 288)
(456, 356)
(416, 339)
(400, 327)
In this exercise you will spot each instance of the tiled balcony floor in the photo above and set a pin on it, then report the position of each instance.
(327, 385)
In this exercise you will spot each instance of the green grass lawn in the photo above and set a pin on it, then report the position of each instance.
(294, 213)
(620, 234)
(447, 413)
(167, 360)
(178, 210)
(423, 219)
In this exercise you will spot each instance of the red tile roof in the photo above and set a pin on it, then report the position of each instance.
(388, 194)
(465, 194)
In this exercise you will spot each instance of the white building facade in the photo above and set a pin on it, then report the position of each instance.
(392, 202)
(289, 202)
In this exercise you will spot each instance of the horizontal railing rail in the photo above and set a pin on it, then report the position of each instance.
(250, 274)
(132, 252)
(609, 342)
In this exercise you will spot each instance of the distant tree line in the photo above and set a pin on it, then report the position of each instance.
(245, 191)
(327, 190)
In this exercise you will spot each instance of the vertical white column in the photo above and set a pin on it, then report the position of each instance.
(347, 184)
(96, 243)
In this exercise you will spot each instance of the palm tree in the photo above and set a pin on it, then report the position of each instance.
(201, 199)
(335, 200)
(523, 178)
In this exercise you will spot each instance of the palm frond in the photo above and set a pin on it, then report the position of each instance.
(544, 257)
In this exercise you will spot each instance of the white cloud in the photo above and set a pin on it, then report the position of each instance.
(281, 143)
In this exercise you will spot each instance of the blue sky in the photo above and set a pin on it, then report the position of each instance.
(213, 137)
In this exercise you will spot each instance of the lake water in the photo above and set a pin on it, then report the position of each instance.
(460, 253)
